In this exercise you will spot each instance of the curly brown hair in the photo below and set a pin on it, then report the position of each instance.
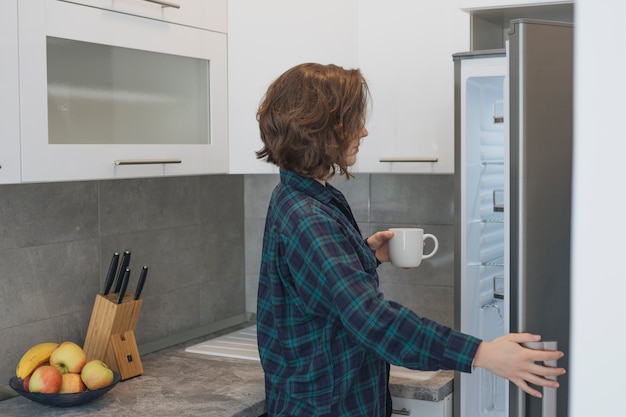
(309, 118)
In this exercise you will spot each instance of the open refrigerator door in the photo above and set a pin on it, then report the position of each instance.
(483, 305)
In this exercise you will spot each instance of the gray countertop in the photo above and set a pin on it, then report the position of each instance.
(181, 384)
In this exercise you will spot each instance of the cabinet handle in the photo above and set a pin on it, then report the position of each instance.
(164, 3)
(403, 412)
(418, 159)
(147, 161)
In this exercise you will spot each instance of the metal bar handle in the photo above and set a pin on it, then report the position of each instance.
(164, 3)
(402, 412)
(417, 159)
(548, 408)
(548, 402)
(147, 161)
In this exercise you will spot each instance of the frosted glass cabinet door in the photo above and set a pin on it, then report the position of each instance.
(102, 94)
(110, 95)
(9, 96)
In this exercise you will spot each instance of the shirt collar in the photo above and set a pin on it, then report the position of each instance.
(315, 189)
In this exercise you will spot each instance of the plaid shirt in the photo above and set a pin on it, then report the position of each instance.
(325, 332)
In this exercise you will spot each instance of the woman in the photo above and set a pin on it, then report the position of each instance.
(326, 334)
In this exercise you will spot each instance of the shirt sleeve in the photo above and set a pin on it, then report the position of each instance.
(327, 264)
(378, 263)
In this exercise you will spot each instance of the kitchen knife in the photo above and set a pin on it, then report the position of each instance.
(111, 274)
(120, 275)
(125, 280)
(142, 280)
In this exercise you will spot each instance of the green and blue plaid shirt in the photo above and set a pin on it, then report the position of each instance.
(325, 332)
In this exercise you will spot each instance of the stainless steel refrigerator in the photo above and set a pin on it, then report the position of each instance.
(513, 169)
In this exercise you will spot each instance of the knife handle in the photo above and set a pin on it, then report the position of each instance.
(142, 280)
(111, 274)
(122, 293)
(120, 276)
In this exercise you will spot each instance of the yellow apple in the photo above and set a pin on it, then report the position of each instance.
(96, 374)
(68, 357)
(71, 382)
(46, 379)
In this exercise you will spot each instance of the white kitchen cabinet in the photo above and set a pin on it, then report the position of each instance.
(105, 94)
(404, 49)
(206, 14)
(9, 96)
(405, 52)
(421, 408)
(469, 5)
(267, 37)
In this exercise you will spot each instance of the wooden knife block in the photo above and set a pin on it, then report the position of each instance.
(111, 334)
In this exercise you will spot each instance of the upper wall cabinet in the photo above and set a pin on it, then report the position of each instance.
(267, 37)
(405, 52)
(496, 4)
(106, 94)
(404, 49)
(205, 14)
(9, 96)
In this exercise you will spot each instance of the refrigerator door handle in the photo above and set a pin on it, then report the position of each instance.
(548, 405)
(548, 408)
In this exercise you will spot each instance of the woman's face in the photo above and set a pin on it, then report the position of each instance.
(354, 149)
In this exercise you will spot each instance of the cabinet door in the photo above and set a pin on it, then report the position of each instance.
(206, 14)
(9, 96)
(267, 37)
(495, 4)
(141, 94)
(405, 52)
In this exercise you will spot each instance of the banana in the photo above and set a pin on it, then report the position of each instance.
(33, 358)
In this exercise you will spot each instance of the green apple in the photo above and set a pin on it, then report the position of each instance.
(71, 383)
(68, 357)
(46, 379)
(96, 374)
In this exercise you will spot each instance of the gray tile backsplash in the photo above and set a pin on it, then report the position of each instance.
(201, 237)
(380, 201)
(57, 239)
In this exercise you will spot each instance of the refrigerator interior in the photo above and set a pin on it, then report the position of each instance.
(484, 283)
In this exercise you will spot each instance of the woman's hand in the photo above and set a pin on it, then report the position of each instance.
(506, 357)
(379, 242)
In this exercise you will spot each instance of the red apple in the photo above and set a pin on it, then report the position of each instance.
(46, 379)
(68, 357)
(71, 382)
(26, 382)
(96, 374)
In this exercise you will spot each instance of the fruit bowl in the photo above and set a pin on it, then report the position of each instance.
(62, 400)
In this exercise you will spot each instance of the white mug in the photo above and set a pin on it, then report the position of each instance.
(406, 247)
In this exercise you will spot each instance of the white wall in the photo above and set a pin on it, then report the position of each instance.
(597, 366)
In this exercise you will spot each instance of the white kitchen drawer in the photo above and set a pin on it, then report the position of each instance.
(206, 14)
(420, 408)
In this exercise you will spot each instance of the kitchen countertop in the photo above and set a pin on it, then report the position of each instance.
(181, 384)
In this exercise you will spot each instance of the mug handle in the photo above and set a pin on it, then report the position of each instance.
(434, 251)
